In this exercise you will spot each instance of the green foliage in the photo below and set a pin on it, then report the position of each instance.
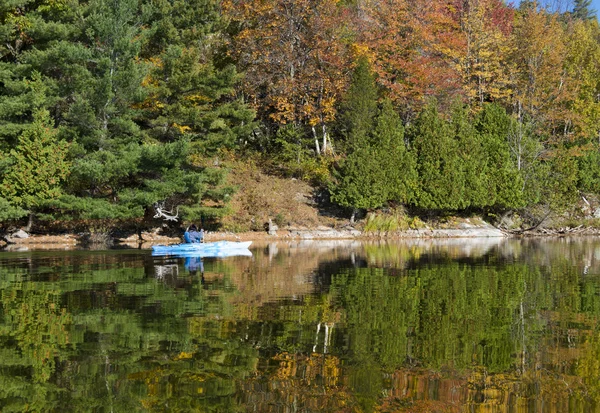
(472, 159)
(441, 179)
(189, 94)
(9, 211)
(582, 10)
(589, 171)
(137, 88)
(504, 184)
(39, 165)
(358, 180)
(560, 189)
(397, 163)
(378, 167)
(359, 107)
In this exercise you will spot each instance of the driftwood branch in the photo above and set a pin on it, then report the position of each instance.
(524, 230)
(159, 207)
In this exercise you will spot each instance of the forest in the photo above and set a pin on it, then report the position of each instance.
(113, 109)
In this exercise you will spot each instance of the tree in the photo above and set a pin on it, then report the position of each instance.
(39, 166)
(359, 180)
(294, 59)
(359, 106)
(485, 68)
(472, 159)
(542, 88)
(416, 48)
(398, 164)
(441, 181)
(504, 182)
(582, 65)
(141, 90)
(582, 10)
(190, 86)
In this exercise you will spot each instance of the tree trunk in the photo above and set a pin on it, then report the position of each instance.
(317, 149)
(29, 223)
(353, 217)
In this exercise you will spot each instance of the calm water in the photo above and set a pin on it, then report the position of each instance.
(454, 326)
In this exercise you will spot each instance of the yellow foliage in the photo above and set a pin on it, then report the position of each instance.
(181, 128)
(183, 355)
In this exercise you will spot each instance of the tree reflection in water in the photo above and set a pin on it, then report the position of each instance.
(416, 326)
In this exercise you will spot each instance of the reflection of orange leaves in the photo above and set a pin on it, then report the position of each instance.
(316, 365)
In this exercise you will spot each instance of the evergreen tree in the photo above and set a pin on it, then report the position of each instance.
(359, 178)
(9, 211)
(190, 85)
(39, 166)
(399, 174)
(472, 159)
(589, 171)
(359, 181)
(359, 107)
(504, 183)
(441, 180)
(140, 89)
(582, 10)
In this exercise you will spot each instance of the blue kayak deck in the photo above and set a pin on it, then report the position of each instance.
(209, 249)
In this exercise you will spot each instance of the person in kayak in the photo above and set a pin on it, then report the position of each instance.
(192, 235)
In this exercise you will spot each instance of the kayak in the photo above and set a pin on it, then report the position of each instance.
(208, 249)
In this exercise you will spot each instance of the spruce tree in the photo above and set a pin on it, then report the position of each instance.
(38, 166)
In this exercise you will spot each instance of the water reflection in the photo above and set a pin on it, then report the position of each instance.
(453, 325)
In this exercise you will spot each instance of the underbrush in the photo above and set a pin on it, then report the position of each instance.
(391, 222)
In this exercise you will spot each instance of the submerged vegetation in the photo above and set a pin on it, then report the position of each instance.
(110, 110)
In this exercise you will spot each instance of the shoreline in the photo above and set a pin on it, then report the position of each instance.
(21, 240)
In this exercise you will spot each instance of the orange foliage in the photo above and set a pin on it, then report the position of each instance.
(417, 48)
(293, 55)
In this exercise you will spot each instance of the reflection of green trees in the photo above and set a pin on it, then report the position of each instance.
(109, 334)
(501, 319)
(35, 323)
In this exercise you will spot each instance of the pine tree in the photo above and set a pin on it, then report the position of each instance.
(141, 90)
(582, 10)
(190, 86)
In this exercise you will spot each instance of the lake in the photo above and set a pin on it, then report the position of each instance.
(456, 325)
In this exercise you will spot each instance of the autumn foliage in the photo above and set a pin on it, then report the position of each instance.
(150, 95)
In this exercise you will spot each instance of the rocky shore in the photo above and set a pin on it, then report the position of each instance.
(21, 240)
